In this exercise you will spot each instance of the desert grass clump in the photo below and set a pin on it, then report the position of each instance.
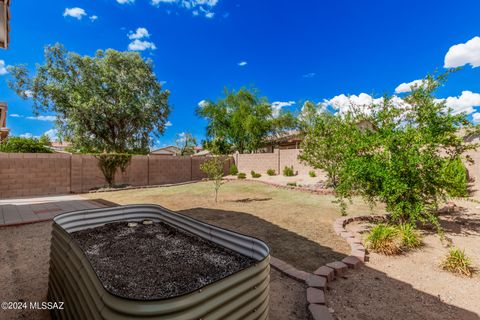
(384, 239)
(410, 237)
(312, 174)
(456, 261)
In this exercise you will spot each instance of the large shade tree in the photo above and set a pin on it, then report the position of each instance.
(110, 102)
(241, 121)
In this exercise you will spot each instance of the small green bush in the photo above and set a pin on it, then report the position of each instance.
(312, 174)
(271, 172)
(233, 170)
(23, 145)
(384, 239)
(255, 174)
(292, 184)
(456, 176)
(409, 236)
(242, 175)
(288, 171)
(457, 262)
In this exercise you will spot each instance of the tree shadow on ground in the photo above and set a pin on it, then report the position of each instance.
(459, 220)
(375, 289)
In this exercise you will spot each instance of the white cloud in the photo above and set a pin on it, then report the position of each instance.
(43, 118)
(203, 103)
(52, 134)
(93, 18)
(363, 103)
(278, 105)
(3, 68)
(139, 45)
(464, 103)
(476, 117)
(309, 75)
(407, 86)
(242, 63)
(125, 1)
(15, 115)
(196, 6)
(140, 33)
(168, 124)
(26, 135)
(77, 13)
(464, 53)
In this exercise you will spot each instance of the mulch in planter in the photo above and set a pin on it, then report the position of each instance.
(155, 261)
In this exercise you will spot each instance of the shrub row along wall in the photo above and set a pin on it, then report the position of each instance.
(29, 174)
(279, 159)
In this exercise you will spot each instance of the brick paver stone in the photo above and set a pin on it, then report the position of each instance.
(316, 281)
(319, 312)
(325, 272)
(338, 266)
(315, 295)
(352, 262)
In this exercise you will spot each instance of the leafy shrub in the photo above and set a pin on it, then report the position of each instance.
(457, 262)
(384, 239)
(23, 145)
(456, 177)
(312, 174)
(271, 172)
(288, 171)
(242, 175)
(410, 238)
(233, 170)
(292, 184)
(255, 174)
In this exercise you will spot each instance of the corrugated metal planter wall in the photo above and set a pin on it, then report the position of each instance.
(242, 295)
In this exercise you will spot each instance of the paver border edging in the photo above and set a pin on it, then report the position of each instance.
(318, 281)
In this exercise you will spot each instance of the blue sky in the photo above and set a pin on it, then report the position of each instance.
(291, 51)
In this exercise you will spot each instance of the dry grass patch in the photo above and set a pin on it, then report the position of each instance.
(456, 261)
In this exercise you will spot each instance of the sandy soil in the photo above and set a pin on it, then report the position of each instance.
(24, 276)
(413, 286)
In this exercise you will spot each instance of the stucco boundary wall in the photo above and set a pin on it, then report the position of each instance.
(278, 160)
(37, 174)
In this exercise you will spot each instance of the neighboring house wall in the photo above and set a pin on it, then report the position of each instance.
(29, 174)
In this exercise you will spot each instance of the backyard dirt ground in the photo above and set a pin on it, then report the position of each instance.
(412, 285)
(296, 225)
(24, 276)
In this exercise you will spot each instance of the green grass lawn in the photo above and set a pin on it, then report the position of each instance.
(296, 225)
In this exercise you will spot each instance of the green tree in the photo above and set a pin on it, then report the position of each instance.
(23, 145)
(186, 144)
(111, 102)
(242, 120)
(325, 142)
(45, 140)
(400, 160)
(213, 168)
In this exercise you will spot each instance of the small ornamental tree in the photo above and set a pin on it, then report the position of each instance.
(186, 144)
(109, 163)
(403, 156)
(213, 168)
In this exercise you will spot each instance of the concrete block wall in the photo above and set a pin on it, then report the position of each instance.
(25, 175)
(278, 160)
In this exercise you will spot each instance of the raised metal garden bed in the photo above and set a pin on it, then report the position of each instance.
(73, 280)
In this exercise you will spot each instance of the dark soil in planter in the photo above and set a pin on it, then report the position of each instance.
(155, 261)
